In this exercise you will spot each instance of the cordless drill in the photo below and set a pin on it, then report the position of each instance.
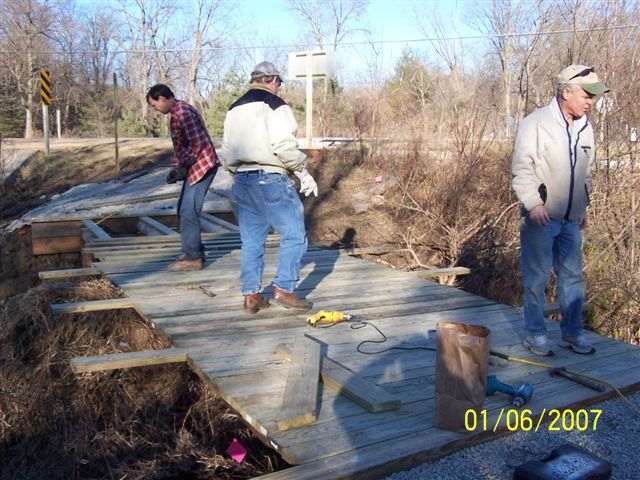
(519, 395)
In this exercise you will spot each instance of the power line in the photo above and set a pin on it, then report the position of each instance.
(347, 44)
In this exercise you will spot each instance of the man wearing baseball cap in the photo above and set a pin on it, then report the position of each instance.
(551, 176)
(260, 149)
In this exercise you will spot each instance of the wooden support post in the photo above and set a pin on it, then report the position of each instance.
(113, 361)
(346, 382)
(301, 395)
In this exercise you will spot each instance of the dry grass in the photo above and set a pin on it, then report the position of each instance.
(151, 422)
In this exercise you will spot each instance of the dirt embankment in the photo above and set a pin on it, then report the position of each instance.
(146, 423)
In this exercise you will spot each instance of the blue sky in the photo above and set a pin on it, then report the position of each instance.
(386, 20)
(271, 22)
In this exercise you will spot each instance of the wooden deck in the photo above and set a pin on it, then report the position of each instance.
(201, 312)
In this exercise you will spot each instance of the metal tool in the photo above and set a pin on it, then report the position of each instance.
(581, 379)
(327, 318)
(519, 395)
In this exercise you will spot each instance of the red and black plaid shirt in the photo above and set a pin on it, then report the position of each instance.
(191, 141)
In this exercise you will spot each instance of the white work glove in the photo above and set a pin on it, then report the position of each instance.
(307, 184)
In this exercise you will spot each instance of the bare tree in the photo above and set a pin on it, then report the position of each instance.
(24, 25)
(329, 22)
(144, 20)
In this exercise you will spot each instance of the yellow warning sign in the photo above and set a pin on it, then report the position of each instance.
(45, 86)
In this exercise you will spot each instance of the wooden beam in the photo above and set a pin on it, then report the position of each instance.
(68, 273)
(96, 231)
(92, 306)
(301, 394)
(50, 246)
(219, 221)
(210, 227)
(56, 237)
(152, 227)
(113, 361)
(439, 272)
(346, 382)
(56, 229)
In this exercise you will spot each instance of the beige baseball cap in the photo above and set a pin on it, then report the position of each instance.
(583, 76)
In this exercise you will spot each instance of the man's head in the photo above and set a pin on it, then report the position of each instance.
(265, 73)
(577, 87)
(161, 98)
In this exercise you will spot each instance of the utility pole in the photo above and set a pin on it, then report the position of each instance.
(45, 96)
(116, 114)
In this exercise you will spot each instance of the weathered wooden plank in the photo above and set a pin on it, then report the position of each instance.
(96, 230)
(53, 245)
(218, 221)
(177, 330)
(127, 360)
(92, 306)
(68, 273)
(300, 401)
(213, 273)
(348, 383)
(440, 272)
(150, 242)
(211, 227)
(231, 303)
(51, 229)
(150, 226)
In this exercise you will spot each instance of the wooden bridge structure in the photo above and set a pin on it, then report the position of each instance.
(372, 413)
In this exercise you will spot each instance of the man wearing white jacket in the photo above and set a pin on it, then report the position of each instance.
(259, 147)
(551, 176)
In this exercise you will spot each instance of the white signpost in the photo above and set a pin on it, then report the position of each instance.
(310, 65)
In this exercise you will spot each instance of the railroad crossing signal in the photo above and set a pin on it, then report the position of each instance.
(45, 86)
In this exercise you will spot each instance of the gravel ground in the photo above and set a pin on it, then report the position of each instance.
(616, 440)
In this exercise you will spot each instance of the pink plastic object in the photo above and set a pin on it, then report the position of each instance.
(237, 451)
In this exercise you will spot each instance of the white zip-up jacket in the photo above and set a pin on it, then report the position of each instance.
(260, 134)
(551, 163)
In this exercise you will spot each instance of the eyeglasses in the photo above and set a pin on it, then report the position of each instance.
(583, 73)
(278, 81)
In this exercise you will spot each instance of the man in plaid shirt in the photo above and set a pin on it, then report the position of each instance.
(195, 163)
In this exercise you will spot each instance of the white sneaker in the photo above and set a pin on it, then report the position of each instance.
(578, 344)
(538, 345)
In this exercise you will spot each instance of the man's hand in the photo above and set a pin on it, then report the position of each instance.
(172, 177)
(307, 184)
(584, 223)
(539, 215)
(175, 174)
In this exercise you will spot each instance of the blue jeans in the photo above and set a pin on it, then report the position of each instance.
(559, 245)
(265, 200)
(189, 209)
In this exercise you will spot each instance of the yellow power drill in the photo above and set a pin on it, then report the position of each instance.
(327, 318)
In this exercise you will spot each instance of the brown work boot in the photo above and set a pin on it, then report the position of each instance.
(254, 302)
(184, 264)
(290, 300)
